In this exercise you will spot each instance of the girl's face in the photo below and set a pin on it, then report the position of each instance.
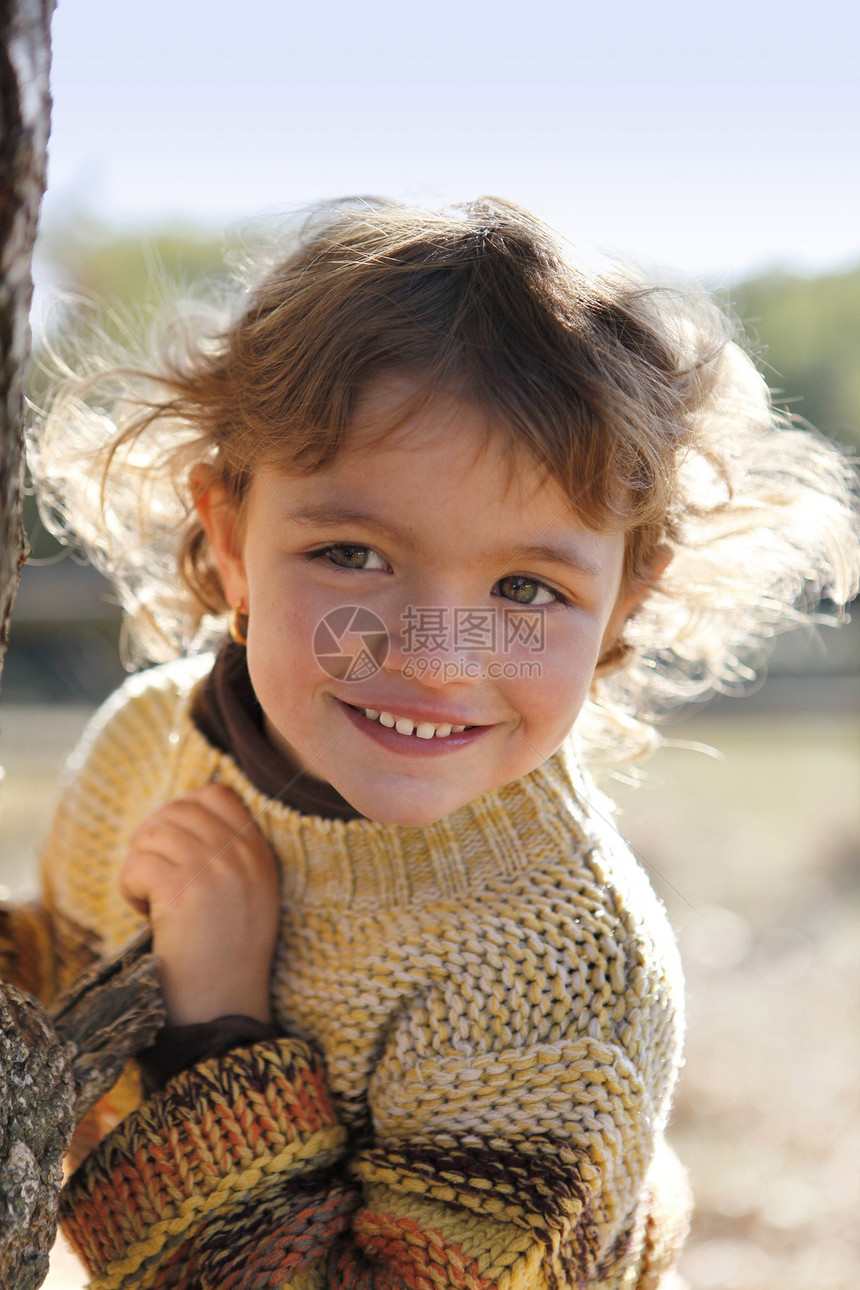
(423, 579)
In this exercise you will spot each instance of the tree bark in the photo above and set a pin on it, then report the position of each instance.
(36, 1093)
(53, 1066)
(25, 114)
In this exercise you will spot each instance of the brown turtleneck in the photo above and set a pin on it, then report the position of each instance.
(227, 712)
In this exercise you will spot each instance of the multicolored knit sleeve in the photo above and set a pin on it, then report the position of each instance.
(234, 1176)
(501, 1171)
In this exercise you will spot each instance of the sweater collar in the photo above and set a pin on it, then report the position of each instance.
(539, 821)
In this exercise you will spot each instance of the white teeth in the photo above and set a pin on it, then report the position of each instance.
(405, 726)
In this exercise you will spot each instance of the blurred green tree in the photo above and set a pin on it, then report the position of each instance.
(133, 267)
(110, 284)
(808, 331)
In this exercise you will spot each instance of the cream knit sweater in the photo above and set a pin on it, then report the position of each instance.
(482, 1025)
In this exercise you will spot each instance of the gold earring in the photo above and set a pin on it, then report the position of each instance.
(237, 633)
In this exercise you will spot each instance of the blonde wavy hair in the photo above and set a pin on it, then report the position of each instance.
(638, 399)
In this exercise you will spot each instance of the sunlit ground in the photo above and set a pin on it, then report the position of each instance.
(757, 857)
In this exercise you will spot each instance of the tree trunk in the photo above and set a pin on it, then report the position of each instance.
(25, 114)
(35, 1116)
(53, 1066)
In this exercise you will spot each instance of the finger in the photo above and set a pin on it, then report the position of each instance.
(139, 906)
(226, 823)
(212, 805)
(226, 805)
(161, 856)
(181, 836)
(152, 883)
(141, 878)
(193, 818)
(164, 859)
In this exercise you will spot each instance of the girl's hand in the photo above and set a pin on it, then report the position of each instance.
(203, 873)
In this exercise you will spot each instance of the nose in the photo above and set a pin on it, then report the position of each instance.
(439, 645)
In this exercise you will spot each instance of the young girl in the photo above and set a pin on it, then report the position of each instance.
(475, 514)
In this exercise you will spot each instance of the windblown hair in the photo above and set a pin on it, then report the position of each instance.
(637, 399)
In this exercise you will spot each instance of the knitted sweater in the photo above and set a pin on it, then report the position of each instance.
(481, 1032)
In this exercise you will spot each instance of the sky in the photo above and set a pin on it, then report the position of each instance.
(712, 140)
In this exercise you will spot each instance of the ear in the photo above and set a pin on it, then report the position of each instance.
(218, 513)
(613, 649)
(642, 586)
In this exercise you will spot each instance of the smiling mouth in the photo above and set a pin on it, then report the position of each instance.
(406, 726)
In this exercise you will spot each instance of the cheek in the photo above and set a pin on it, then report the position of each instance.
(281, 640)
(282, 606)
(554, 681)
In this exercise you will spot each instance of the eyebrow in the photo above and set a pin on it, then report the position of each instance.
(324, 514)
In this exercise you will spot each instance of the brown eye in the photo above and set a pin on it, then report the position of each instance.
(349, 555)
(527, 591)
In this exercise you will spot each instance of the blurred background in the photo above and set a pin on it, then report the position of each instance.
(713, 144)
